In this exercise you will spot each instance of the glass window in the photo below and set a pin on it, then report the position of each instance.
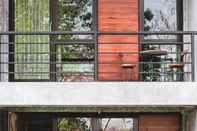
(76, 61)
(74, 15)
(30, 56)
(32, 52)
(117, 124)
(160, 15)
(95, 124)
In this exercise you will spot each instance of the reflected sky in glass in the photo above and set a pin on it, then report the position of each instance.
(164, 17)
(164, 14)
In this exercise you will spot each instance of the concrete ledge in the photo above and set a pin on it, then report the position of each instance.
(98, 94)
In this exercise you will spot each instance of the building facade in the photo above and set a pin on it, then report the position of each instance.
(98, 65)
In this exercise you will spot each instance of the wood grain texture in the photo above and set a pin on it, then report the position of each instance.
(159, 122)
(118, 16)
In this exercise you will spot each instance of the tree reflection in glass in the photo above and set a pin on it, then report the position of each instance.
(163, 17)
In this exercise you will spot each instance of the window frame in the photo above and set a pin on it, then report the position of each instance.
(52, 23)
(179, 26)
(54, 26)
(179, 18)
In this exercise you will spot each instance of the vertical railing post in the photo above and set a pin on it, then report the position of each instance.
(96, 58)
(95, 27)
(0, 59)
(193, 56)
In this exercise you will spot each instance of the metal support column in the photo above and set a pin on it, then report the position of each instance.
(193, 56)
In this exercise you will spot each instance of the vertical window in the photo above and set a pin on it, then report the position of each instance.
(76, 58)
(160, 16)
(31, 51)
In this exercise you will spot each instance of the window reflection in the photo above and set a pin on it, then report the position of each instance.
(75, 62)
(160, 15)
(95, 124)
(117, 124)
(31, 16)
(75, 15)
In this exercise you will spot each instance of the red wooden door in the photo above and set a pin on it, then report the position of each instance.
(118, 16)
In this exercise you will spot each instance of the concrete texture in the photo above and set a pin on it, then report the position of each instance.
(98, 93)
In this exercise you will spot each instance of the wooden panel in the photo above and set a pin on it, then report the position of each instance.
(159, 123)
(12, 121)
(118, 16)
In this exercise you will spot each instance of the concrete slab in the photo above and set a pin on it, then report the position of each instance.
(98, 94)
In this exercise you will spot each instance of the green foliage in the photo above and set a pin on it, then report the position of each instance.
(77, 51)
(31, 16)
(34, 15)
(72, 124)
(75, 15)
(148, 16)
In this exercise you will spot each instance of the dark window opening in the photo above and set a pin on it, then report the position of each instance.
(46, 122)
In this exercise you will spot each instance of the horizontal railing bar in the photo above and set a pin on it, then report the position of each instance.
(92, 62)
(143, 63)
(92, 43)
(87, 60)
(42, 72)
(29, 52)
(88, 73)
(100, 33)
(151, 33)
(166, 73)
(41, 62)
(46, 63)
(47, 43)
(86, 53)
(49, 33)
(138, 53)
(140, 72)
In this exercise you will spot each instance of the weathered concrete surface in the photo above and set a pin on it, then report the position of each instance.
(98, 93)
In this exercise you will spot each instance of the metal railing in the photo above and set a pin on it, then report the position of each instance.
(100, 56)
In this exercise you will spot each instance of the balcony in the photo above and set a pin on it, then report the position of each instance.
(43, 56)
